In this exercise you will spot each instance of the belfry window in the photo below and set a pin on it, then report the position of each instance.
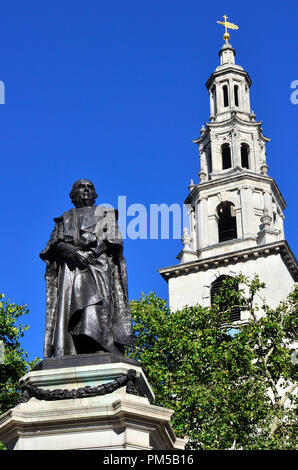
(213, 92)
(236, 98)
(244, 156)
(209, 163)
(226, 156)
(227, 227)
(215, 290)
(225, 96)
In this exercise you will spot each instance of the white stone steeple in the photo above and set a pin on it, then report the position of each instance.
(233, 139)
(236, 208)
(228, 87)
(235, 192)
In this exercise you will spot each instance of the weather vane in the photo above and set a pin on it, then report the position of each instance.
(227, 25)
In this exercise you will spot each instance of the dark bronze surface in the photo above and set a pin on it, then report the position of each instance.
(79, 360)
(87, 297)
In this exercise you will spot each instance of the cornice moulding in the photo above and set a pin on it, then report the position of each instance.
(237, 256)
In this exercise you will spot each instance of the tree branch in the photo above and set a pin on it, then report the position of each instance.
(264, 359)
(274, 427)
(268, 355)
(287, 394)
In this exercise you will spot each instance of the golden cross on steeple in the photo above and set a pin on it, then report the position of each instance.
(227, 25)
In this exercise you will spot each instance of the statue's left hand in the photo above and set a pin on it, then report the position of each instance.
(83, 258)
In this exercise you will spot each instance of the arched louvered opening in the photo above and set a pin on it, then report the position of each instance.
(209, 163)
(236, 96)
(245, 156)
(226, 156)
(215, 290)
(213, 94)
(227, 227)
(225, 96)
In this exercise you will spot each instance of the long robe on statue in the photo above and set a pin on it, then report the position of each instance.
(90, 301)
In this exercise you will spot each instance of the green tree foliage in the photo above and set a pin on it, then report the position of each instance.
(229, 388)
(14, 364)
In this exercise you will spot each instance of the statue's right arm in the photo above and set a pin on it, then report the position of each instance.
(66, 252)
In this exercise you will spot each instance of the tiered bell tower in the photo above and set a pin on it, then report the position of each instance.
(236, 209)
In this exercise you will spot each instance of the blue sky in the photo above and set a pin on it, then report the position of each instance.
(115, 92)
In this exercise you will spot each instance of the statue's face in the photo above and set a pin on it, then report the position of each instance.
(83, 193)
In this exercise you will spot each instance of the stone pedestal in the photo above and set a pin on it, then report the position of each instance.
(267, 235)
(111, 408)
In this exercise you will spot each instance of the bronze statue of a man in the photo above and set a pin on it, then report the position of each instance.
(87, 298)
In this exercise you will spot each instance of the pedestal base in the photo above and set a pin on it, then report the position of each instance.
(114, 420)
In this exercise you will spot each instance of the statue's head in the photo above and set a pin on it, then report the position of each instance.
(83, 193)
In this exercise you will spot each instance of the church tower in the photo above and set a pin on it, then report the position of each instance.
(236, 209)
